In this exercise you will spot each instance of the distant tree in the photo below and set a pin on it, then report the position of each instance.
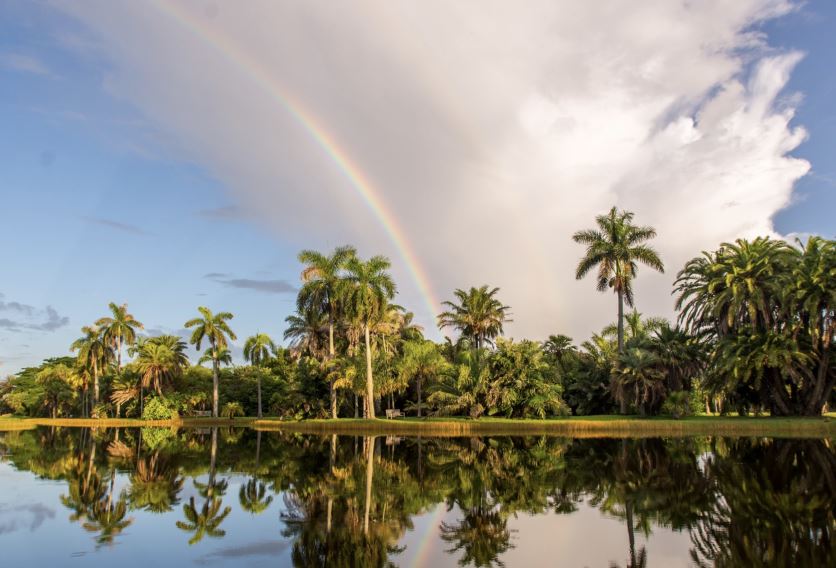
(478, 315)
(322, 293)
(369, 290)
(216, 330)
(421, 362)
(257, 350)
(94, 354)
(119, 329)
(615, 248)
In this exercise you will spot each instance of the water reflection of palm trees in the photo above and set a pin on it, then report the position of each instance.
(207, 520)
(352, 500)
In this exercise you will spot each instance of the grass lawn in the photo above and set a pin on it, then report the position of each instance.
(579, 426)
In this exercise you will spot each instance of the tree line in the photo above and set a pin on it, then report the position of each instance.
(754, 334)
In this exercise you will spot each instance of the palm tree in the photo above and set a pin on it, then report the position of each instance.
(215, 328)
(306, 331)
(257, 350)
(94, 353)
(638, 379)
(119, 330)
(252, 497)
(370, 288)
(616, 247)
(206, 521)
(158, 364)
(478, 316)
(322, 292)
(421, 361)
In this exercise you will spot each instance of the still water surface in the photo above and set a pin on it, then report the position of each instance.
(236, 497)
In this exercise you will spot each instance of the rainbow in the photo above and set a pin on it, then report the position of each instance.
(423, 548)
(357, 179)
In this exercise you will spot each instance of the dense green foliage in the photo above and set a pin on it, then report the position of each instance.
(755, 334)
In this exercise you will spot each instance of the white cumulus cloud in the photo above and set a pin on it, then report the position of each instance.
(492, 130)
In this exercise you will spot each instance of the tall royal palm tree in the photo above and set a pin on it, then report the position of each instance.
(216, 330)
(369, 290)
(322, 291)
(615, 248)
(478, 315)
(119, 329)
(257, 350)
(94, 353)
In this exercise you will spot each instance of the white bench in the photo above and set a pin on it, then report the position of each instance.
(393, 413)
(203, 413)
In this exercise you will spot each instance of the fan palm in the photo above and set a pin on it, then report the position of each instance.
(216, 330)
(119, 330)
(478, 315)
(369, 290)
(322, 292)
(257, 350)
(615, 248)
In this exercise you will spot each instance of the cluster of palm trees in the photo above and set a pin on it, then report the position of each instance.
(756, 330)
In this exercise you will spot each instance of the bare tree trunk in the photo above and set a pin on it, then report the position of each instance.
(369, 378)
(356, 407)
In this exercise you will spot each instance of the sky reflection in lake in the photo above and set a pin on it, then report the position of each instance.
(224, 497)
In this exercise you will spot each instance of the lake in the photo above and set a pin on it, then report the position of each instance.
(233, 497)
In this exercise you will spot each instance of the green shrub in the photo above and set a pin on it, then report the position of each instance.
(680, 404)
(156, 438)
(157, 408)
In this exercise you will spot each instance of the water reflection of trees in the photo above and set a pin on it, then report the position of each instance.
(350, 500)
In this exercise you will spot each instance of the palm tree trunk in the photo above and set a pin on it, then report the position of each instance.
(332, 392)
(623, 402)
(95, 382)
(356, 409)
(214, 380)
(369, 475)
(259, 395)
(418, 384)
(369, 378)
(118, 354)
(630, 535)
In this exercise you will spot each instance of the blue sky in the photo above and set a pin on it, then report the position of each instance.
(104, 201)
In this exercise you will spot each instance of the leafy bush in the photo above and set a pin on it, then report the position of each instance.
(155, 438)
(157, 408)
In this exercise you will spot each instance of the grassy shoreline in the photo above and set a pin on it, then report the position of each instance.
(581, 426)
